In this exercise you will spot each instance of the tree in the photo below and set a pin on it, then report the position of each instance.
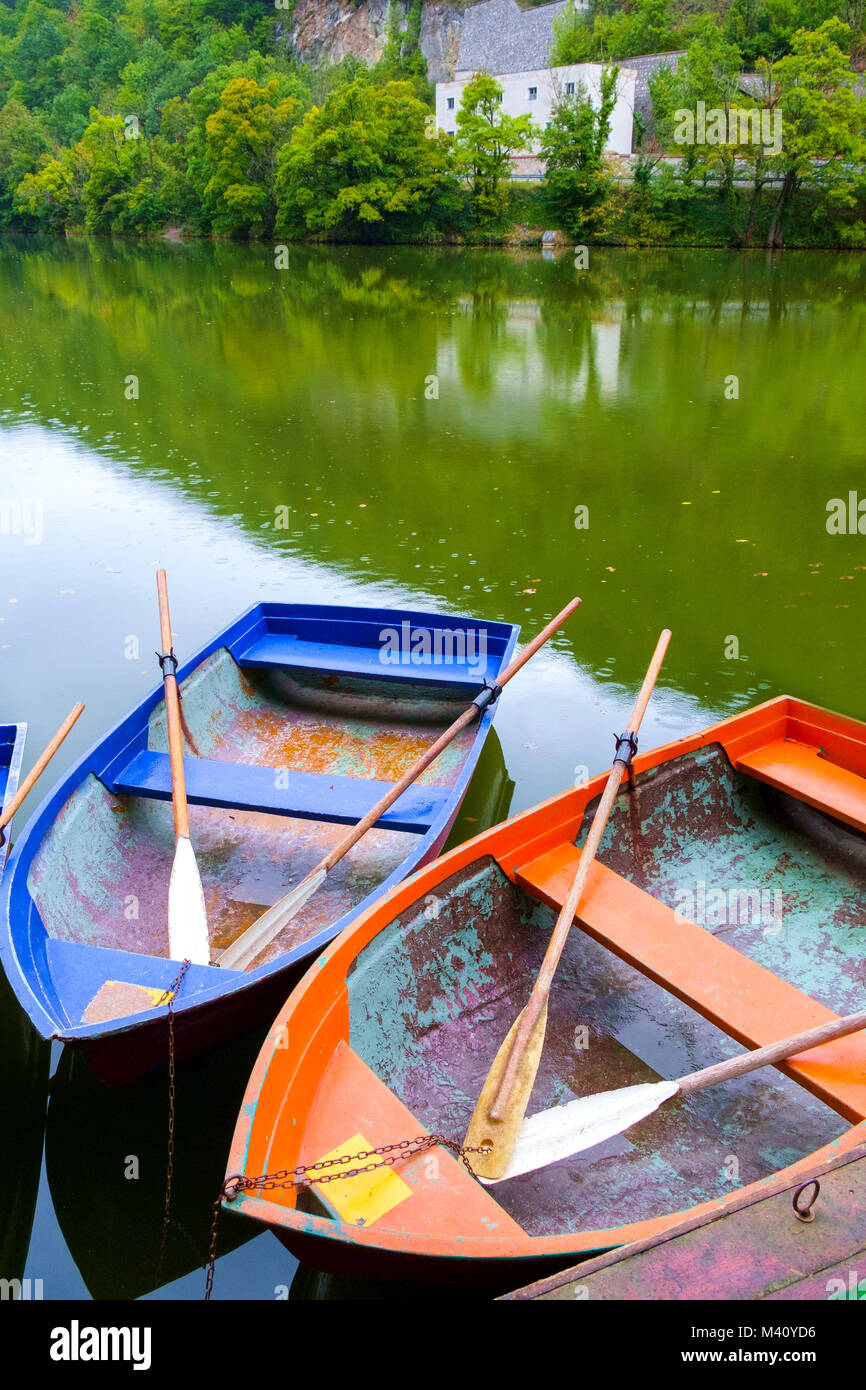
(823, 119)
(364, 165)
(241, 142)
(486, 140)
(572, 36)
(578, 183)
(36, 56)
(709, 73)
(23, 143)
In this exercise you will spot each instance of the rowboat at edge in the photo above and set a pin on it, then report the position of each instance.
(725, 909)
(295, 725)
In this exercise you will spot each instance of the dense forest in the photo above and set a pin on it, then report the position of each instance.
(134, 116)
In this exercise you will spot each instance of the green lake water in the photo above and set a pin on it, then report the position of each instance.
(482, 432)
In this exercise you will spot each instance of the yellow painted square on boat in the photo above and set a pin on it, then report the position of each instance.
(117, 998)
(362, 1200)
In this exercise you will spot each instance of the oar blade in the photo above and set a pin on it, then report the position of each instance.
(500, 1136)
(568, 1129)
(264, 929)
(187, 918)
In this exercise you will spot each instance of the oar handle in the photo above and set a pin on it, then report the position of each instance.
(39, 767)
(172, 713)
(544, 979)
(773, 1052)
(396, 791)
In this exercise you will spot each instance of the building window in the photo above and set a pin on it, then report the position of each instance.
(450, 103)
(533, 94)
(499, 98)
(569, 89)
(450, 132)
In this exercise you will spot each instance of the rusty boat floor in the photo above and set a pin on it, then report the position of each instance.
(727, 909)
(294, 725)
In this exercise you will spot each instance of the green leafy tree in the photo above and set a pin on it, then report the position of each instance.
(23, 145)
(709, 72)
(823, 120)
(36, 58)
(572, 36)
(486, 140)
(365, 165)
(578, 182)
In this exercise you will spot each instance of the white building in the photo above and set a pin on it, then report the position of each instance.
(534, 93)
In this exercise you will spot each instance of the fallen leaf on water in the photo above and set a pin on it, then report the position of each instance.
(760, 574)
(611, 569)
(527, 591)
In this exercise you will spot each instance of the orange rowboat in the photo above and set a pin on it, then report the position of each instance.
(726, 908)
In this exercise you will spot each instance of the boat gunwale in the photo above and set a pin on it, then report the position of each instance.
(16, 760)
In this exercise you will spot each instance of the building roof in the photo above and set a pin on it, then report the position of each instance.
(498, 37)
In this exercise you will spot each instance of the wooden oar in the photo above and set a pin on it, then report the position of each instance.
(569, 1129)
(37, 770)
(262, 932)
(505, 1094)
(187, 918)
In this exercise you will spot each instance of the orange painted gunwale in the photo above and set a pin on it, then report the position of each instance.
(316, 1013)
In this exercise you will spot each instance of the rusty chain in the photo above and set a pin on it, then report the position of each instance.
(169, 997)
(308, 1174)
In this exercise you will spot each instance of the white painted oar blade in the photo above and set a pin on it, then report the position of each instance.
(187, 918)
(261, 933)
(569, 1129)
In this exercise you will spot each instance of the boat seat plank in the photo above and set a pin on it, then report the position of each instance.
(430, 1194)
(282, 649)
(799, 769)
(307, 795)
(740, 996)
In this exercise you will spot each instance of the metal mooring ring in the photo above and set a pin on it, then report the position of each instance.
(805, 1213)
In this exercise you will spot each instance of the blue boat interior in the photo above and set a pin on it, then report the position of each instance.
(296, 720)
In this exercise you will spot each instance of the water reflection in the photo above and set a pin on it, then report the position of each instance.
(23, 1098)
(433, 420)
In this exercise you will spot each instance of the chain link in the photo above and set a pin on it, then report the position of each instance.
(308, 1174)
(168, 998)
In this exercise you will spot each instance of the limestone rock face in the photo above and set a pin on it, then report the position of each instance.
(329, 30)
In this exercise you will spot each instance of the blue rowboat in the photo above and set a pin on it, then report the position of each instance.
(12, 739)
(296, 720)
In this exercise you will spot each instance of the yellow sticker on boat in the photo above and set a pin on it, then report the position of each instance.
(362, 1200)
(117, 998)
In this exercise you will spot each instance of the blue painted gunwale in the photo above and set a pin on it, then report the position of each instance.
(32, 960)
(12, 740)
